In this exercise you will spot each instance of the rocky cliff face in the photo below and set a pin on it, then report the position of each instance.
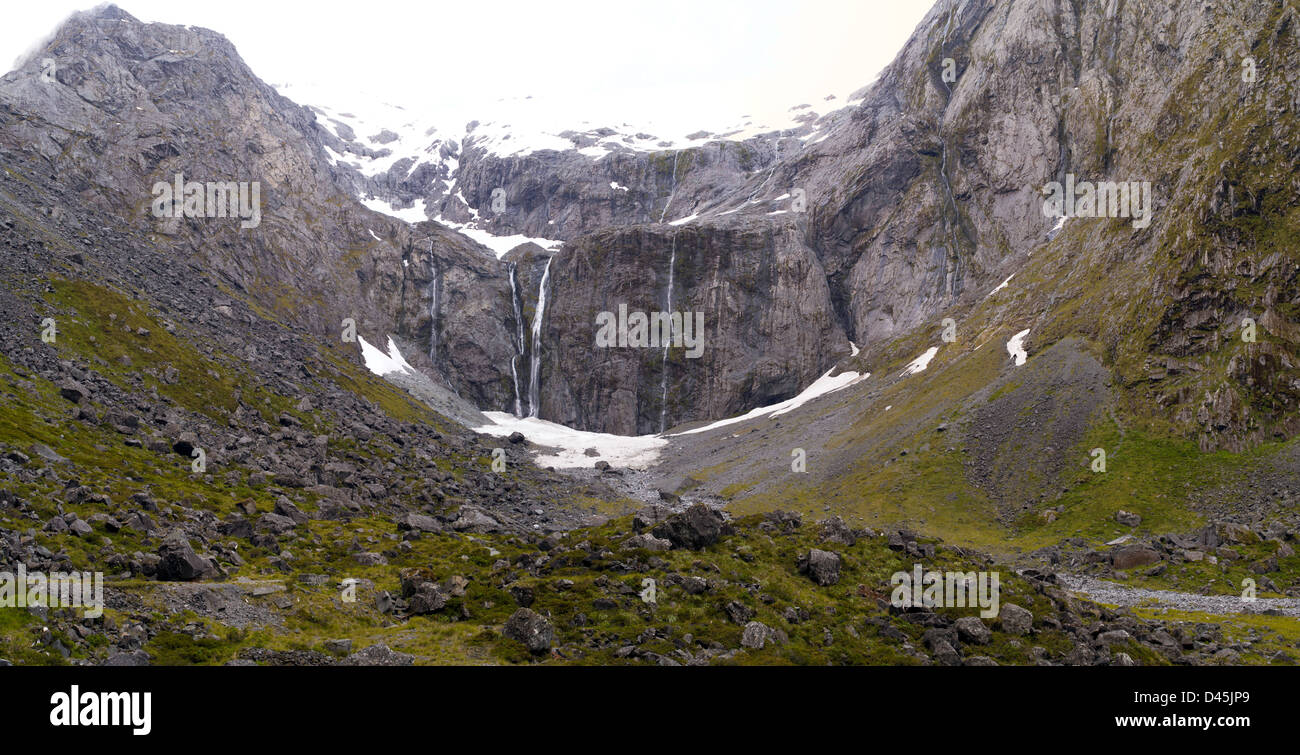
(867, 224)
(130, 105)
(757, 289)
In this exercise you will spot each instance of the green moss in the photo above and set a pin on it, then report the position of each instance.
(177, 649)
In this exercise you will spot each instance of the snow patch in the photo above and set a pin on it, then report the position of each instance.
(819, 387)
(633, 451)
(500, 245)
(412, 214)
(1001, 285)
(1016, 347)
(921, 362)
(380, 363)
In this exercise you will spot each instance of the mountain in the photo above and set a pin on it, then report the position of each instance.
(899, 333)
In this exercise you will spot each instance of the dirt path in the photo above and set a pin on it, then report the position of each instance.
(1222, 605)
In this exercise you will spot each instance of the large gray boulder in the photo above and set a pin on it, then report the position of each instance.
(822, 567)
(530, 628)
(178, 561)
(698, 527)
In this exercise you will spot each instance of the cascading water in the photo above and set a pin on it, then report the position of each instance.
(951, 200)
(535, 378)
(668, 304)
(433, 313)
(673, 190)
(668, 308)
(519, 339)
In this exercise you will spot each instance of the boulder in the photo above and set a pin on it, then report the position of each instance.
(648, 541)
(1127, 518)
(418, 523)
(73, 391)
(834, 530)
(1129, 556)
(756, 635)
(428, 598)
(822, 567)
(378, 655)
(970, 629)
(530, 628)
(1015, 620)
(178, 561)
(699, 527)
(285, 508)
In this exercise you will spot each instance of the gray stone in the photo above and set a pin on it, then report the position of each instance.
(822, 567)
(530, 628)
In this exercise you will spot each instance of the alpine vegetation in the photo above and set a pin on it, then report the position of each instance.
(846, 383)
(933, 589)
(24, 589)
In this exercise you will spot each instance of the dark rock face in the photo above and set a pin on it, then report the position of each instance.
(768, 325)
(914, 200)
(316, 256)
(698, 527)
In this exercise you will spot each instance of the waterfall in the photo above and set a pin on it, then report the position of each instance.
(951, 202)
(535, 378)
(673, 190)
(668, 308)
(519, 338)
(433, 313)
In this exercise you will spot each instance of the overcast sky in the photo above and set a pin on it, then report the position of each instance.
(687, 63)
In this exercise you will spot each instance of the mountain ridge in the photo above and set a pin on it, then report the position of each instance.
(991, 351)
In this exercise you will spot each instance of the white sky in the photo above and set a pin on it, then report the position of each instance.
(674, 64)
